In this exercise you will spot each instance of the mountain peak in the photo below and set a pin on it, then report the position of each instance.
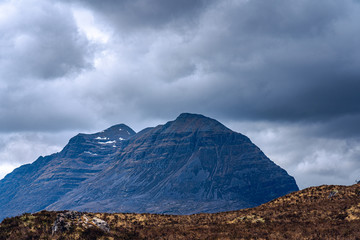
(189, 165)
(190, 116)
(190, 122)
(110, 138)
(118, 128)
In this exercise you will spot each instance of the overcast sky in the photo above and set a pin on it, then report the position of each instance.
(286, 73)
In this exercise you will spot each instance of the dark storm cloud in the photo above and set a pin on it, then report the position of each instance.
(285, 61)
(284, 72)
(290, 19)
(41, 108)
(129, 15)
(39, 40)
(40, 47)
(303, 64)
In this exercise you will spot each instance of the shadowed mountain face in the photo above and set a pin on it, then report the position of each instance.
(189, 165)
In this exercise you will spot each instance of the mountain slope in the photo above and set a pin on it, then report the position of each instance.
(189, 165)
(324, 212)
(193, 164)
(32, 187)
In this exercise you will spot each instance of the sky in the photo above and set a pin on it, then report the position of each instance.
(286, 73)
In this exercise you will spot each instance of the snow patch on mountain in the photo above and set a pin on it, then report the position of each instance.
(108, 142)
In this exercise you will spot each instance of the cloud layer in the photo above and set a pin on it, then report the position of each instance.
(285, 67)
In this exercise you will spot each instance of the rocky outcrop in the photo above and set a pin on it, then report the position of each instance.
(190, 165)
(100, 224)
(69, 220)
(64, 221)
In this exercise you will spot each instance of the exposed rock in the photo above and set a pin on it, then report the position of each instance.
(101, 224)
(64, 221)
(71, 219)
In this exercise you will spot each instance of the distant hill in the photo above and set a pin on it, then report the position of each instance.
(325, 212)
(190, 165)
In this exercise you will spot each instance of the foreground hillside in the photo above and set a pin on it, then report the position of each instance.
(325, 212)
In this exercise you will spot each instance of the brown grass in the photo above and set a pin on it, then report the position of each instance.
(306, 214)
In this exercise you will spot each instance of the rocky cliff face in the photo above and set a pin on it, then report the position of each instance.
(189, 165)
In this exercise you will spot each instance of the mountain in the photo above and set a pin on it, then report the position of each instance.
(190, 165)
(324, 212)
(33, 187)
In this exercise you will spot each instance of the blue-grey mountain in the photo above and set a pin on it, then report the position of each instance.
(33, 187)
(190, 165)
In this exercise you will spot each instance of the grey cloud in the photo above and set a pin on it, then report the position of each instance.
(47, 107)
(40, 40)
(313, 159)
(130, 15)
(17, 149)
(289, 69)
(287, 19)
(343, 127)
(270, 75)
(288, 61)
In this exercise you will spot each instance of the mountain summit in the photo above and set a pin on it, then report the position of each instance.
(187, 122)
(190, 165)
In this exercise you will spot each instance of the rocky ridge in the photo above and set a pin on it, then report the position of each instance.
(68, 220)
